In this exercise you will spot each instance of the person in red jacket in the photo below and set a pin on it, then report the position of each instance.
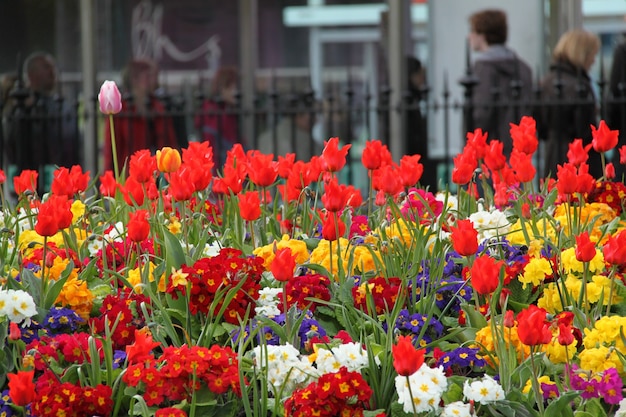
(142, 123)
(218, 121)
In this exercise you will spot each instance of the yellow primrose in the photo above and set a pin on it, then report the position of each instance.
(535, 271)
(135, 278)
(550, 299)
(321, 255)
(78, 210)
(600, 359)
(174, 225)
(484, 339)
(544, 379)
(600, 285)
(606, 331)
(573, 265)
(593, 214)
(557, 353)
(365, 259)
(521, 229)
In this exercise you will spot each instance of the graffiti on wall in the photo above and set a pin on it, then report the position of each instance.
(149, 41)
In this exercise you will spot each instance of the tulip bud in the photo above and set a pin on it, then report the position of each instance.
(168, 159)
(14, 332)
(110, 98)
(509, 319)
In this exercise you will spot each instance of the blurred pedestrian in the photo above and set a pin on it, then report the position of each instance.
(416, 126)
(218, 121)
(569, 105)
(292, 134)
(501, 75)
(42, 128)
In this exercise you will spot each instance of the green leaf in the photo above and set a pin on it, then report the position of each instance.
(474, 318)
(594, 407)
(55, 289)
(174, 255)
(561, 406)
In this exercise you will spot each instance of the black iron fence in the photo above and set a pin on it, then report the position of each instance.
(41, 132)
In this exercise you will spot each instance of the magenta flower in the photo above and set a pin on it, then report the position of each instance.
(110, 98)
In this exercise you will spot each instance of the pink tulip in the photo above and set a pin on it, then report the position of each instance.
(110, 98)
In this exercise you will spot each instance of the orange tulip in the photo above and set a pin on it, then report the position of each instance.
(168, 159)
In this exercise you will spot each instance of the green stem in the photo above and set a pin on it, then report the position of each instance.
(611, 286)
(535, 383)
(116, 170)
(408, 382)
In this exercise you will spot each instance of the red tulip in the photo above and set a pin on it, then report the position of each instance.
(15, 333)
(22, 387)
(54, 214)
(523, 166)
(609, 171)
(585, 248)
(283, 265)
(108, 185)
(464, 238)
(110, 98)
(495, 158)
(411, 170)
(567, 178)
(138, 226)
(524, 135)
(334, 197)
(532, 328)
(262, 169)
(134, 192)
(566, 336)
(615, 249)
(250, 205)
(477, 143)
(509, 319)
(333, 158)
(3, 177)
(181, 186)
(386, 179)
(464, 166)
(199, 157)
(485, 274)
(141, 349)
(406, 358)
(142, 166)
(375, 155)
(577, 153)
(622, 155)
(332, 227)
(26, 181)
(604, 139)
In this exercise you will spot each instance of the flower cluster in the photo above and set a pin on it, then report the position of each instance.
(422, 390)
(173, 376)
(208, 277)
(333, 394)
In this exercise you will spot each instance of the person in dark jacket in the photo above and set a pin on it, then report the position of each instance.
(504, 79)
(568, 107)
(616, 104)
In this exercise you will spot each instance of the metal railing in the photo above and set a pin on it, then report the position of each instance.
(41, 128)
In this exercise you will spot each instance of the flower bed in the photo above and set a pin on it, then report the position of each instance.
(272, 289)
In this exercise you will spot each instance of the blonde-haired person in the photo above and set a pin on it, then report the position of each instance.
(569, 105)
